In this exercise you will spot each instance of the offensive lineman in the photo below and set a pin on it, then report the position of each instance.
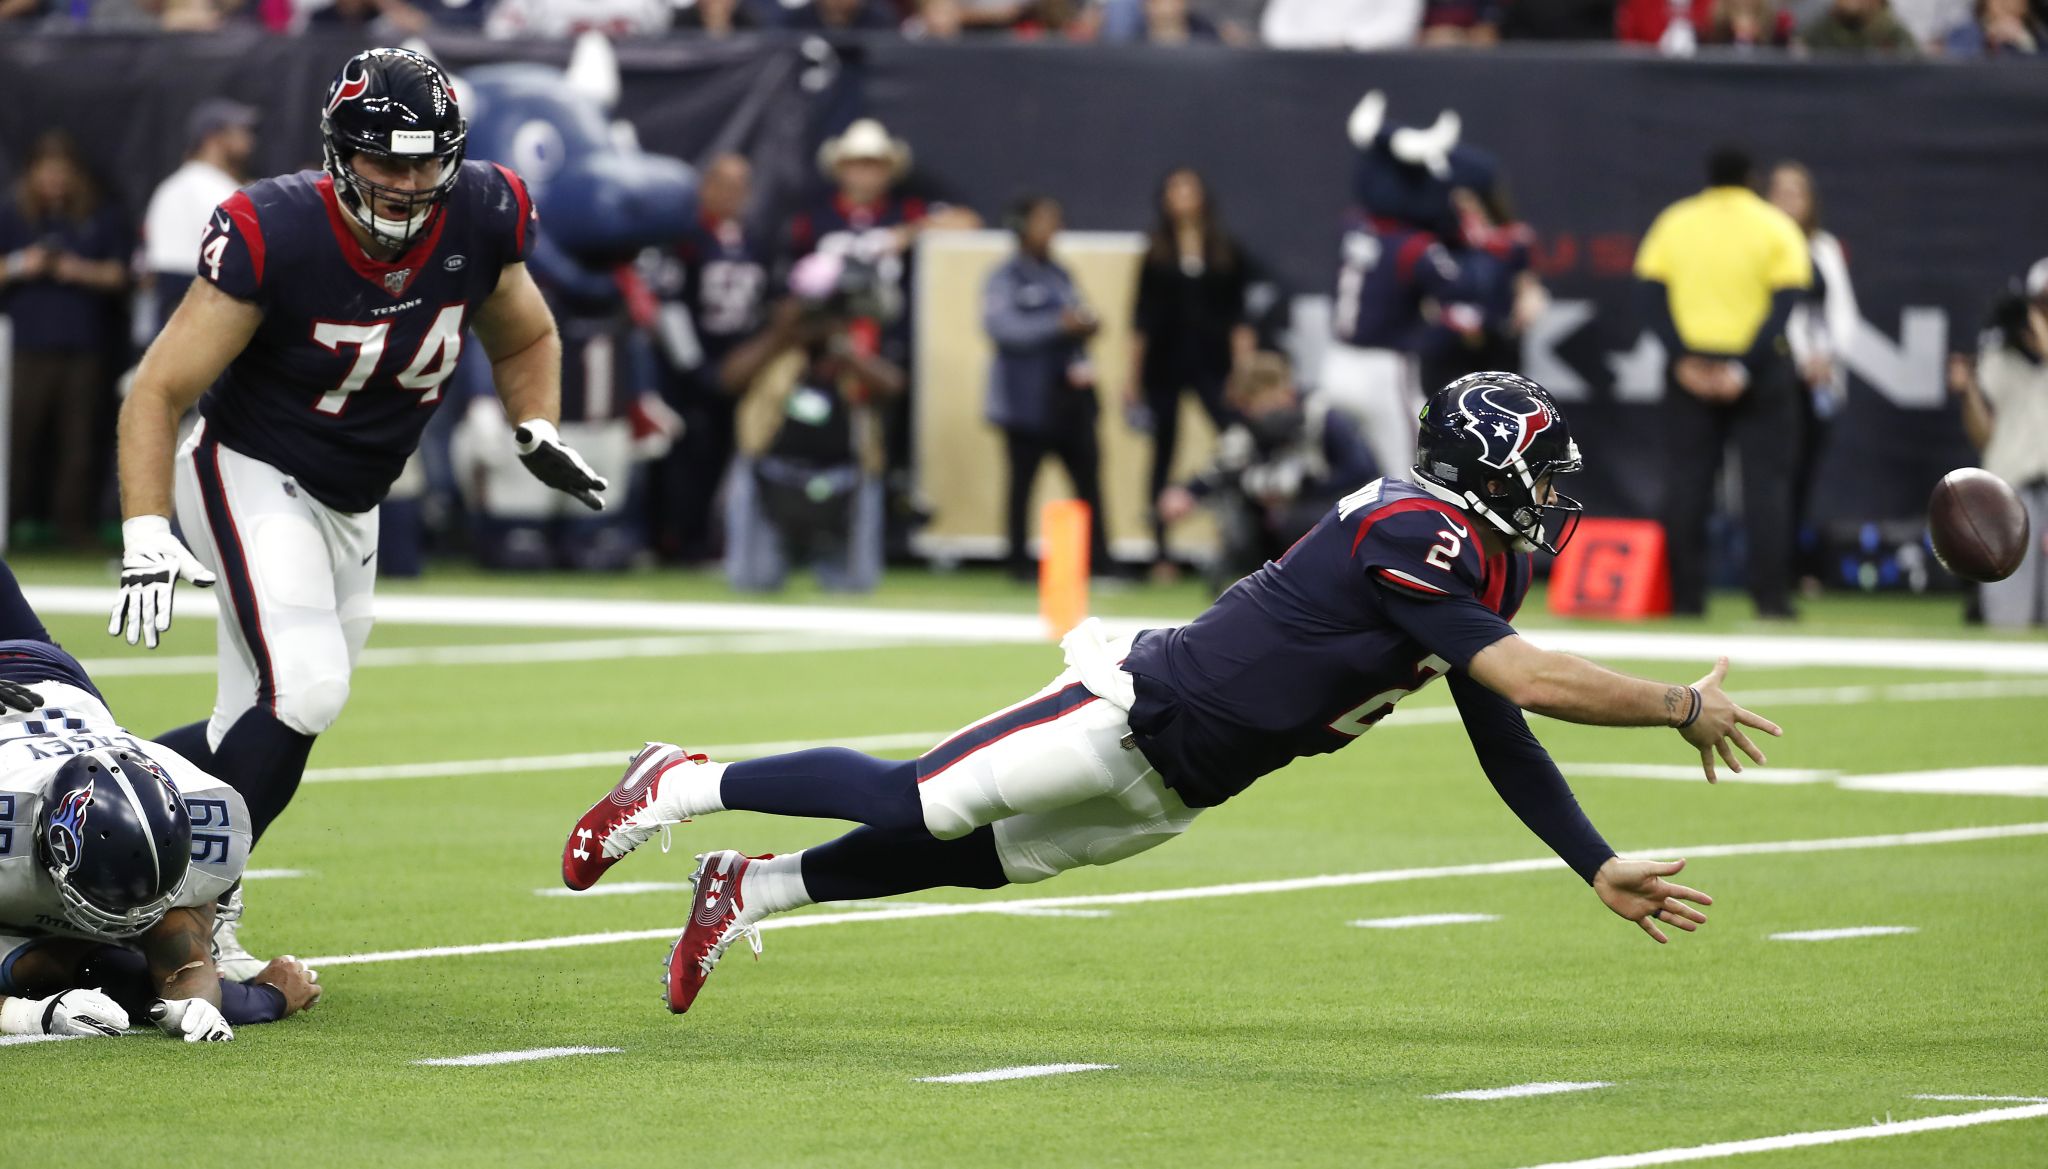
(328, 313)
(1402, 582)
(112, 853)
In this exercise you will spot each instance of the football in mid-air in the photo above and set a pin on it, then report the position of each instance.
(1979, 525)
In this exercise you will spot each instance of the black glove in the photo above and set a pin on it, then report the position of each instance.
(551, 462)
(18, 698)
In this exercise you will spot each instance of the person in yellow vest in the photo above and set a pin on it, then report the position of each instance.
(1722, 271)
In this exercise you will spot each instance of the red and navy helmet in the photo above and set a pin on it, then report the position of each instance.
(398, 105)
(1494, 444)
(115, 837)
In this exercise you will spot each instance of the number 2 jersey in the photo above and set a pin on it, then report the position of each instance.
(349, 363)
(1390, 590)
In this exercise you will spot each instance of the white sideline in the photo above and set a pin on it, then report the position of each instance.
(517, 653)
(1514, 1091)
(1800, 1140)
(1019, 1073)
(1200, 892)
(488, 1058)
(2012, 657)
(271, 874)
(1423, 919)
(2009, 1099)
(1854, 931)
(616, 757)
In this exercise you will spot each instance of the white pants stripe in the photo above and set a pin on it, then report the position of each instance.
(1379, 389)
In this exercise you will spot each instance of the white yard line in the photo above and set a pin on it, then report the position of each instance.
(1690, 773)
(489, 1058)
(272, 874)
(620, 889)
(1019, 1073)
(18, 1040)
(1515, 1091)
(1858, 931)
(614, 758)
(1801, 1140)
(519, 653)
(1203, 892)
(1424, 919)
(1987, 1099)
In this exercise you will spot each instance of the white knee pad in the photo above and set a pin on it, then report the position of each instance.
(1099, 832)
(311, 707)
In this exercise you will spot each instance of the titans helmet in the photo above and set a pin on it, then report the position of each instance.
(396, 105)
(1494, 445)
(116, 839)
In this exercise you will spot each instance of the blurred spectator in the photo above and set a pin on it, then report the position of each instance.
(1341, 24)
(843, 16)
(2000, 28)
(1930, 20)
(1235, 22)
(1722, 271)
(220, 135)
(1041, 386)
(1751, 23)
(945, 20)
(395, 18)
(1168, 22)
(1189, 329)
(1644, 22)
(807, 482)
(2005, 414)
(66, 266)
(1558, 20)
(1819, 330)
(1859, 26)
(714, 18)
(1278, 468)
(1461, 22)
(562, 19)
(864, 218)
(25, 10)
(1505, 294)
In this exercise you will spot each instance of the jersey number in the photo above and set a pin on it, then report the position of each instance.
(1446, 551)
(215, 251)
(1363, 717)
(429, 367)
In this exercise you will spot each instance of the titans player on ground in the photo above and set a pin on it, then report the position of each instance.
(328, 314)
(1402, 582)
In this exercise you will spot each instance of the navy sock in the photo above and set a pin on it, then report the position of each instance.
(874, 862)
(262, 759)
(190, 741)
(828, 782)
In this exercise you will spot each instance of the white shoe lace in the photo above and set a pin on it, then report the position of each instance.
(635, 830)
(734, 932)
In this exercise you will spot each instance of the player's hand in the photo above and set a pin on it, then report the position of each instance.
(18, 698)
(81, 1012)
(1718, 729)
(1175, 503)
(152, 562)
(298, 982)
(193, 1020)
(1638, 891)
(541, 449)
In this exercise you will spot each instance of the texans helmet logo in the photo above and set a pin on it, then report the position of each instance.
(1503, 428)
(67, 828)
(353, 86)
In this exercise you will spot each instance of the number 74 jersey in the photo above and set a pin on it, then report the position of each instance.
(349, 362)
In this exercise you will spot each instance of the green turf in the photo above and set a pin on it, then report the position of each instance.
(1254, 1030)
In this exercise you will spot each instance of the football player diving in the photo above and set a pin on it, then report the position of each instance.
(329, 312)
(1403, 582)
(112, 854)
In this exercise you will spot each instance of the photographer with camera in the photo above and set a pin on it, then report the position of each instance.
(1277, 469)
(1041, 386)
(806, 484)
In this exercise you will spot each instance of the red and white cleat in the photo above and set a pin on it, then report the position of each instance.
(624, 819)
(718, 917)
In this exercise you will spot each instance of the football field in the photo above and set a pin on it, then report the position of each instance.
(1364, 961)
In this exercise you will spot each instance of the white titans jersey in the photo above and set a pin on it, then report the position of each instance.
(34, 745)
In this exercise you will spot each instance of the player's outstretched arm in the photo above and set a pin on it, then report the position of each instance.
(518, 335)
(179, 950)
(1637, 890)
(206, 332)
(1573, 689)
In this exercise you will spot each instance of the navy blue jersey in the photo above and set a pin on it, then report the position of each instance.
(725, 284)
(1391, 590)
(28, 661)
(1387, 270)
(341, 377)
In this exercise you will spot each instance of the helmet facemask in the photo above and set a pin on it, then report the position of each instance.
(360, 195)
(1529, 520)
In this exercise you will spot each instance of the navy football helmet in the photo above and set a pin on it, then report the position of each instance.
(399, 105)
(1494, 444)
(115, 837)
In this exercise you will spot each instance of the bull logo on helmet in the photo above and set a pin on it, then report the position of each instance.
(1504, 428)
(66, 834)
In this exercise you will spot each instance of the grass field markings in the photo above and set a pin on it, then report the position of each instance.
(1801, 1140)
(490, 1058)
(618, 889)
(568, 612)
(617, 758)
(1423, 919)
(1028, 1072)
(1514, 1091)
(18, 1040)
(522, 653)
(896, 912)
(1690, 772)
(1986, 1099)
(1854, 931)
(274, 874)
(1972, 781)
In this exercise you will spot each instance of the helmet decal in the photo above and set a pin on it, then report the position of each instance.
(1501, 441)
(66, 834)
(353, 85)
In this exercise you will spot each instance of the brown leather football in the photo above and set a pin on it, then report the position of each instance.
(1979, 525)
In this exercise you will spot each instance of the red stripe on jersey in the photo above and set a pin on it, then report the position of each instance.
(1494, 579)
(243, 213)
(1443, 509)
(525, 203)
(1412, 250)
(1412, 584)
(371, 270)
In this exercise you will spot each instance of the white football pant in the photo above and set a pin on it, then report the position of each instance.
(1379, 389)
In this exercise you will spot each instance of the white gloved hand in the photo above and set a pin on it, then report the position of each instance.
(71, 1012)
(541, 449)
(152, 562)
(193, 1020)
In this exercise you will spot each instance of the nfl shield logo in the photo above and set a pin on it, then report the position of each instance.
(394, 282)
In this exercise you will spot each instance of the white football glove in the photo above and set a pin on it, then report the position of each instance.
(193, 1020)
(71, 1012)
(152, 562)
(541, 449)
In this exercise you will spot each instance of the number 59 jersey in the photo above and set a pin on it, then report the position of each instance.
(348, 365)
(1391, 590)
(32, 748)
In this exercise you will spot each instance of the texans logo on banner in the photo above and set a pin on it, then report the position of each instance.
(67, 828)
(1507, 432)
